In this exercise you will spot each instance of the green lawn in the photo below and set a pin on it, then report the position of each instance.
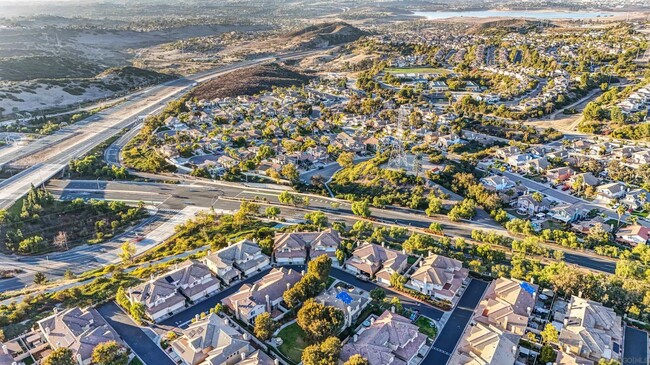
(293, 342)
(418, 70)
(426, 327)
(330, 281)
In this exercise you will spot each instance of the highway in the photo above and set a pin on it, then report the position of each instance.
(225, 195)
(49, 155)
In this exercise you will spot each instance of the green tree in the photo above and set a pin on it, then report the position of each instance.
(272, 212)
(346, 159)
(435, 206)
(290, 172)
(357, 359)
(550, 334)
(245, 213)
(397, 281)
(377, 294)
(317, 218)
(340, 256)
(547, 355)
(435, 227)
(60, 356)
(319, 321)
(325, 353)
(321, 267)
(110, 353)
(39, 278)
(128, 251)
(361, 208)
(264, 326)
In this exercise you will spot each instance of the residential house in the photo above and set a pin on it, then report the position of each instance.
(211, 341)
(350, 143)
(505, 152)
(237, 260)
(484, 344)
(166, 294)
(585, 179)
(538, 165)
(350, 303)
(439, 276)
(389, 340)
(568, 213)
(519, 160)
(560, 173)
(377, 261)
(507, 304)
(633, 235)
(528, 205)
(79, 330)
(641, 157)
(636, 198)
(591, 331)
(611, 192)
(587, 226)
(497, 183)
(295, 247)
(262, 296)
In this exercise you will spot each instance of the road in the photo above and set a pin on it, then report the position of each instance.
(79, 138)
(133, 335)
(178, 196)
(451, 333)
(635, 348)
(446, 341)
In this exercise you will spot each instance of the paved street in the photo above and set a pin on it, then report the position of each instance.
(79, 138)
(133, 335)
(451, 333)
(177, 196)
(635, 348)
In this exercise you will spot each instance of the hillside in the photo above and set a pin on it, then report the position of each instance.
(43, 94)
(250, 81)
(325, 34)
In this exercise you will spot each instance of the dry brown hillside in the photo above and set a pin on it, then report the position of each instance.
(250, 81)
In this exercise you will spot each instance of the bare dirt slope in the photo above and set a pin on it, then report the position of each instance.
(250, 81)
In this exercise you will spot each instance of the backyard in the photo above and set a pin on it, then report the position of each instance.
(292, 342)
(427, 327)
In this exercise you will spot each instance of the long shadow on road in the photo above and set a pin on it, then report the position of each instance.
(453, 330)
(133, 335)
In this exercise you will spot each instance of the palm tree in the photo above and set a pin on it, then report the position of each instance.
(620, 211)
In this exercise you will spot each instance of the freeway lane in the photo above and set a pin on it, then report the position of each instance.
(177, 196)
(86, 134)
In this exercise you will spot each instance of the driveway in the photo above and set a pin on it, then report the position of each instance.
(635, 350)
(133, 335)
(451, 333)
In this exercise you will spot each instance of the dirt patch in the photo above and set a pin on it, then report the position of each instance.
(250, 81)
